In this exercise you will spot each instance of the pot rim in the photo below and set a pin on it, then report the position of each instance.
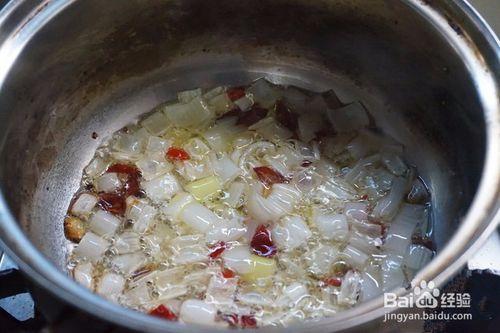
(24, 20)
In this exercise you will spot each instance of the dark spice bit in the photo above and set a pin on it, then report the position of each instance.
(94, 135)
(286, 117)
(424, 241)
(74, 228)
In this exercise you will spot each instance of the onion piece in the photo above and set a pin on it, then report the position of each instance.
(156, 124)
(238, 259)
(263, 92)
(191, 254)
(205, 188)
(356, 210)
(127, 242)
(220, 135)
(350, 288)
(138, 295)
(173, 209)
(291, 232)
(309, 125)
(370, 287)
(91, 247)
(387, 206)
(220, 104)
(193, 114)
(221, 291)
(348, 118)
(162, 187)
(355, 256)
(110, 285)
(199, 217)
(254, 298)
(332, 226)
(104, 223)
(226, 231)
(321, 258)
(392, 274)
(83, 274)
(96, 167)
(280, 202)
(188, 95)
(224, 167)
(128, 263)
(269, 129)
(196, 148)
(292, 294)
(335, 188)
(394, 164)
(153, 164)
(418, 256)
(235, 194)
(83, 205)
(157, 144)
(244, 103)
(129, 144)
(108, 182)
(141, 214)
(194, 311)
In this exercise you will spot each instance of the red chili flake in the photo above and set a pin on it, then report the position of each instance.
(248, 321)
(251, 116)
(227, 273)
(268, 176)
(383, 227)
(113, 203)
(177, 154)
(123, 168)
(217, 249)
(132, 186)
(364, 197)
(306, 163)
(230, 318)
(235, 93)
(333, 282)
(163, 312)
(286, 117)
(262, 243)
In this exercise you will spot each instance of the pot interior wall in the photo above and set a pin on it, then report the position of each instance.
(98, 65)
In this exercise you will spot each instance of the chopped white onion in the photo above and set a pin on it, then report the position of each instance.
(348, 118)
(220, 104)
(196, 148)
(199, 217)
(193, 114)
(418, 256)
(226, 231)
(394, 164)
(153, 164)
(191, 254)
(392, 274)
(173, 209)
(220, 290)
(335, 188)
(157, 144)
(222, 133)
(138, 295)
(269, 129)
(388, 205)
(127, 242)
(280, 202)
(291, 232)
(128, 263)
(296, 99)
(96, 167)
(194, 170)
(188, 95)
(355, 256)
(254, 298)
(162, 187)
(332, 226)
(370, 287)
(156, 124)
(238, 259)
(214, 92)
(83, 274)
(235, 194)
(194, 311)
(264, 93)
(292, 294)
(321, 258)
(129, 144)
(244, 103)
(141, 214)
(91, 247)
(110, 285)
(350, 288)
(108, 182)
(173, 291)
(224, 167)
(309, 125)
(356, 210)
(104, 223)
(83, 205)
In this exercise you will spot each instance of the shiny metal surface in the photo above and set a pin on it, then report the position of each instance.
(428, 72)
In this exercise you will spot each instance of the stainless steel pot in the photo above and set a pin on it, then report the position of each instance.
(428, 70)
